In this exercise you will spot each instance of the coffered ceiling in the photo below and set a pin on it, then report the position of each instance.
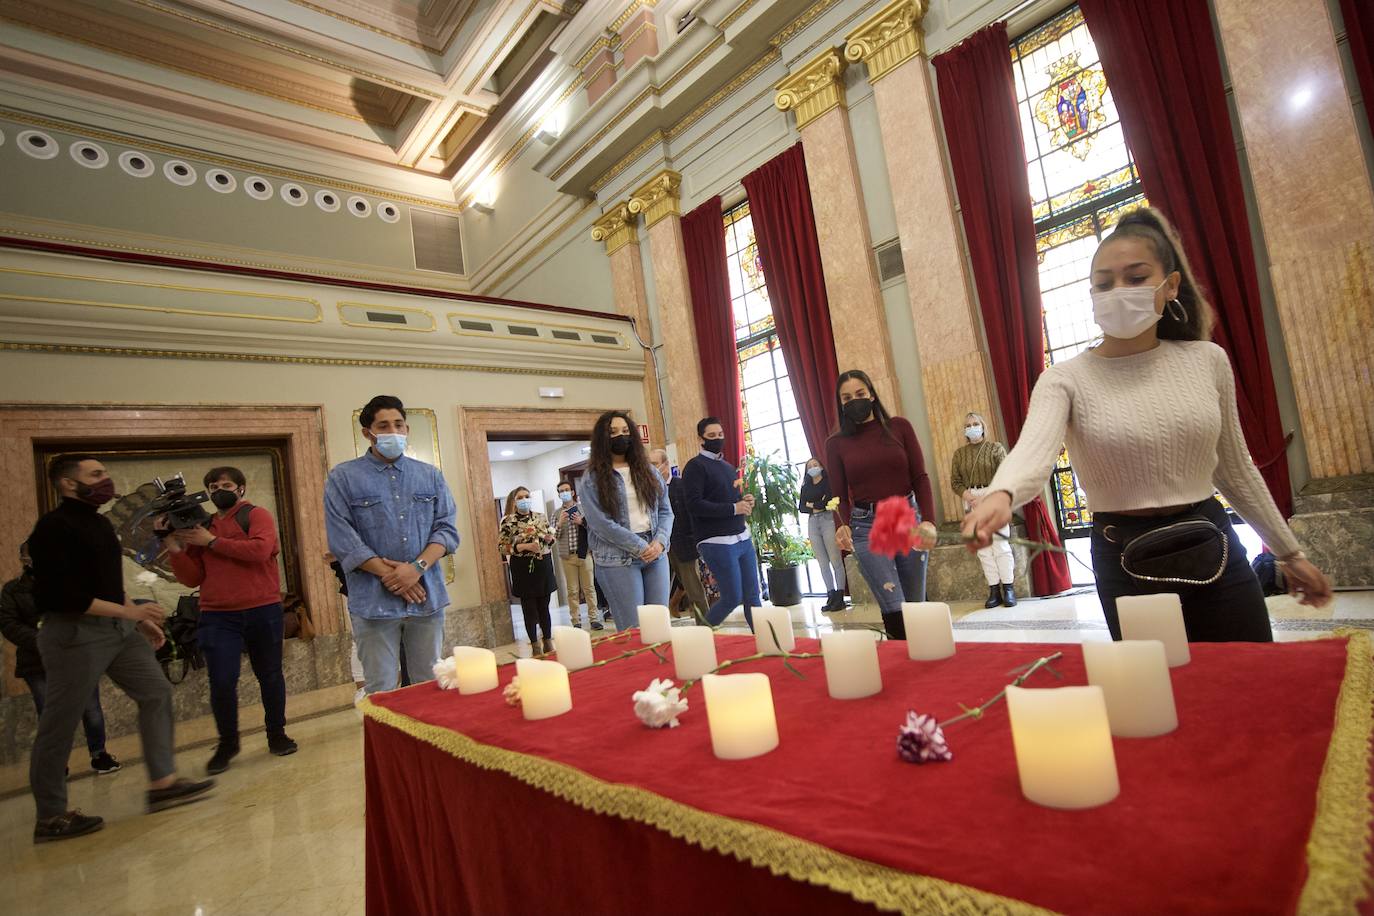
(407, 84)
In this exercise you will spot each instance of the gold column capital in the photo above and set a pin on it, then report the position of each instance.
(658, 197)
(616, 228)
(889, 38)
(814, 89)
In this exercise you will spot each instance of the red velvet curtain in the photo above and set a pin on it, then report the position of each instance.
(1161, 61)
(978, 103)
(1359, 33)
(703, 238)
(785, 229)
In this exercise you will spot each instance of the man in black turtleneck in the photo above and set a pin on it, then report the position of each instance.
(91, 628)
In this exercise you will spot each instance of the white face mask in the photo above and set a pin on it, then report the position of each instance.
(974, 433)
(1125, 312)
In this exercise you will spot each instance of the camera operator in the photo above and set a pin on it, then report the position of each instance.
(234, 564)
(91, 628)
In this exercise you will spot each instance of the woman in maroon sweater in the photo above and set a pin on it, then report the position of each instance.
(872, 457)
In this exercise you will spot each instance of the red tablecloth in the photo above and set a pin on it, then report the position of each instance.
(1258, 803)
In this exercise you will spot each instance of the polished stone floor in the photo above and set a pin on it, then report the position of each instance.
(285, 835)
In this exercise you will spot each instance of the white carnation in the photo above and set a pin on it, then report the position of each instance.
(660, 704)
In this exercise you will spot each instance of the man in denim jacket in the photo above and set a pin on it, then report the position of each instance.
(390, 519)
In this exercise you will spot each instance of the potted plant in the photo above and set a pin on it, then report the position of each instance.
(773, 484)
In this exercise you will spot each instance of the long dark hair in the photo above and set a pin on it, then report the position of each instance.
(1154, 228)
(645, 479)
(847, 426)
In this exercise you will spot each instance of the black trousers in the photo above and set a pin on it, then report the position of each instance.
(1231, 609)
(536, 611)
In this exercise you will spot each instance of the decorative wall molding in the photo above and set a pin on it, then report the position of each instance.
(889, 38)
(814, 89)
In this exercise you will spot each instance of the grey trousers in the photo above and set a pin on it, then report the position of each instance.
(76, 651)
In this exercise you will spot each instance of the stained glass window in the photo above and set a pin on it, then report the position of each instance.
(1082, 179)
(772, 424)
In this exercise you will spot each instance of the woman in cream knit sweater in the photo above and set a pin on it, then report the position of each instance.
(1150, 418)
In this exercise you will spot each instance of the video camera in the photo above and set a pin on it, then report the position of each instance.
(180, 509)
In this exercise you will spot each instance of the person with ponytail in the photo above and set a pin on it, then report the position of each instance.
(629, 519)
(872, 457)
(1150, 417)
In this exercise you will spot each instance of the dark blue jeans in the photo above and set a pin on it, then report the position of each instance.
(1231, 609)
(736, 568)
(892, 580)
(92, 717)
(223, 636)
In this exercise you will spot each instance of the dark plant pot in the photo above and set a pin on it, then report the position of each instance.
(784, 586)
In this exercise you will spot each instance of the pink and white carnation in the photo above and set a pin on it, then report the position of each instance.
(659, 705)
(921, 740)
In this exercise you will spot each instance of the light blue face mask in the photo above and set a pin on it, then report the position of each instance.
(815, 473)
(565, 496)
(391, 445)
(524, 504)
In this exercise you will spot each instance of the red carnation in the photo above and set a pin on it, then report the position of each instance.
(894, 528)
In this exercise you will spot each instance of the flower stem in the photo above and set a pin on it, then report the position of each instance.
(757, 656)
(977, 711)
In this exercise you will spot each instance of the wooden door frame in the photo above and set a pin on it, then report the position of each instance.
(475, 424)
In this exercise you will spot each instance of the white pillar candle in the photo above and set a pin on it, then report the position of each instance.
(544, 690)
(739, 713)
(1134, 677)
(475, 668)
(1156, 617)
(655, 624)
(929, 631)
(781, 621)
(574, 647)
(694, 651)
(1063, 746)
(851, 664)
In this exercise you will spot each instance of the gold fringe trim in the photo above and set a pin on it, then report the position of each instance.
(1338, 849)
(780, 853)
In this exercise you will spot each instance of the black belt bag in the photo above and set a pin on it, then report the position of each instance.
(1189, 552)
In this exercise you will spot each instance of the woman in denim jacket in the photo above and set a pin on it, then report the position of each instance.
(629, 519)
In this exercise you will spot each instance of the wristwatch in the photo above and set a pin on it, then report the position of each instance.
(421, 565)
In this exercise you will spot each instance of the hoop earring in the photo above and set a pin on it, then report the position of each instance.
(1176, 311)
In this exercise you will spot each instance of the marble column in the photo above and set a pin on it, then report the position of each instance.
(1317, 209)
(815, 95)
(616, 228)
(943, 309)
(659, 201)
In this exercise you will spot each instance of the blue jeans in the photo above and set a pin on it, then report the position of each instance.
(627, 587)
(736, 568)
(380, 643)
(892, 580)
(223, 635)
(92, 717)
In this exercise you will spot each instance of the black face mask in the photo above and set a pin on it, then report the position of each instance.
(620, 444)
(223, 499)
(859, 409)
(714, 446)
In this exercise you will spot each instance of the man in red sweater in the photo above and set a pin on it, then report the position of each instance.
(234, 563)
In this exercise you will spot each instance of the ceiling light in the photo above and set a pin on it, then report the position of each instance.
(552, 126)
(507, 452)
(484, 195)
(1300, 98)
